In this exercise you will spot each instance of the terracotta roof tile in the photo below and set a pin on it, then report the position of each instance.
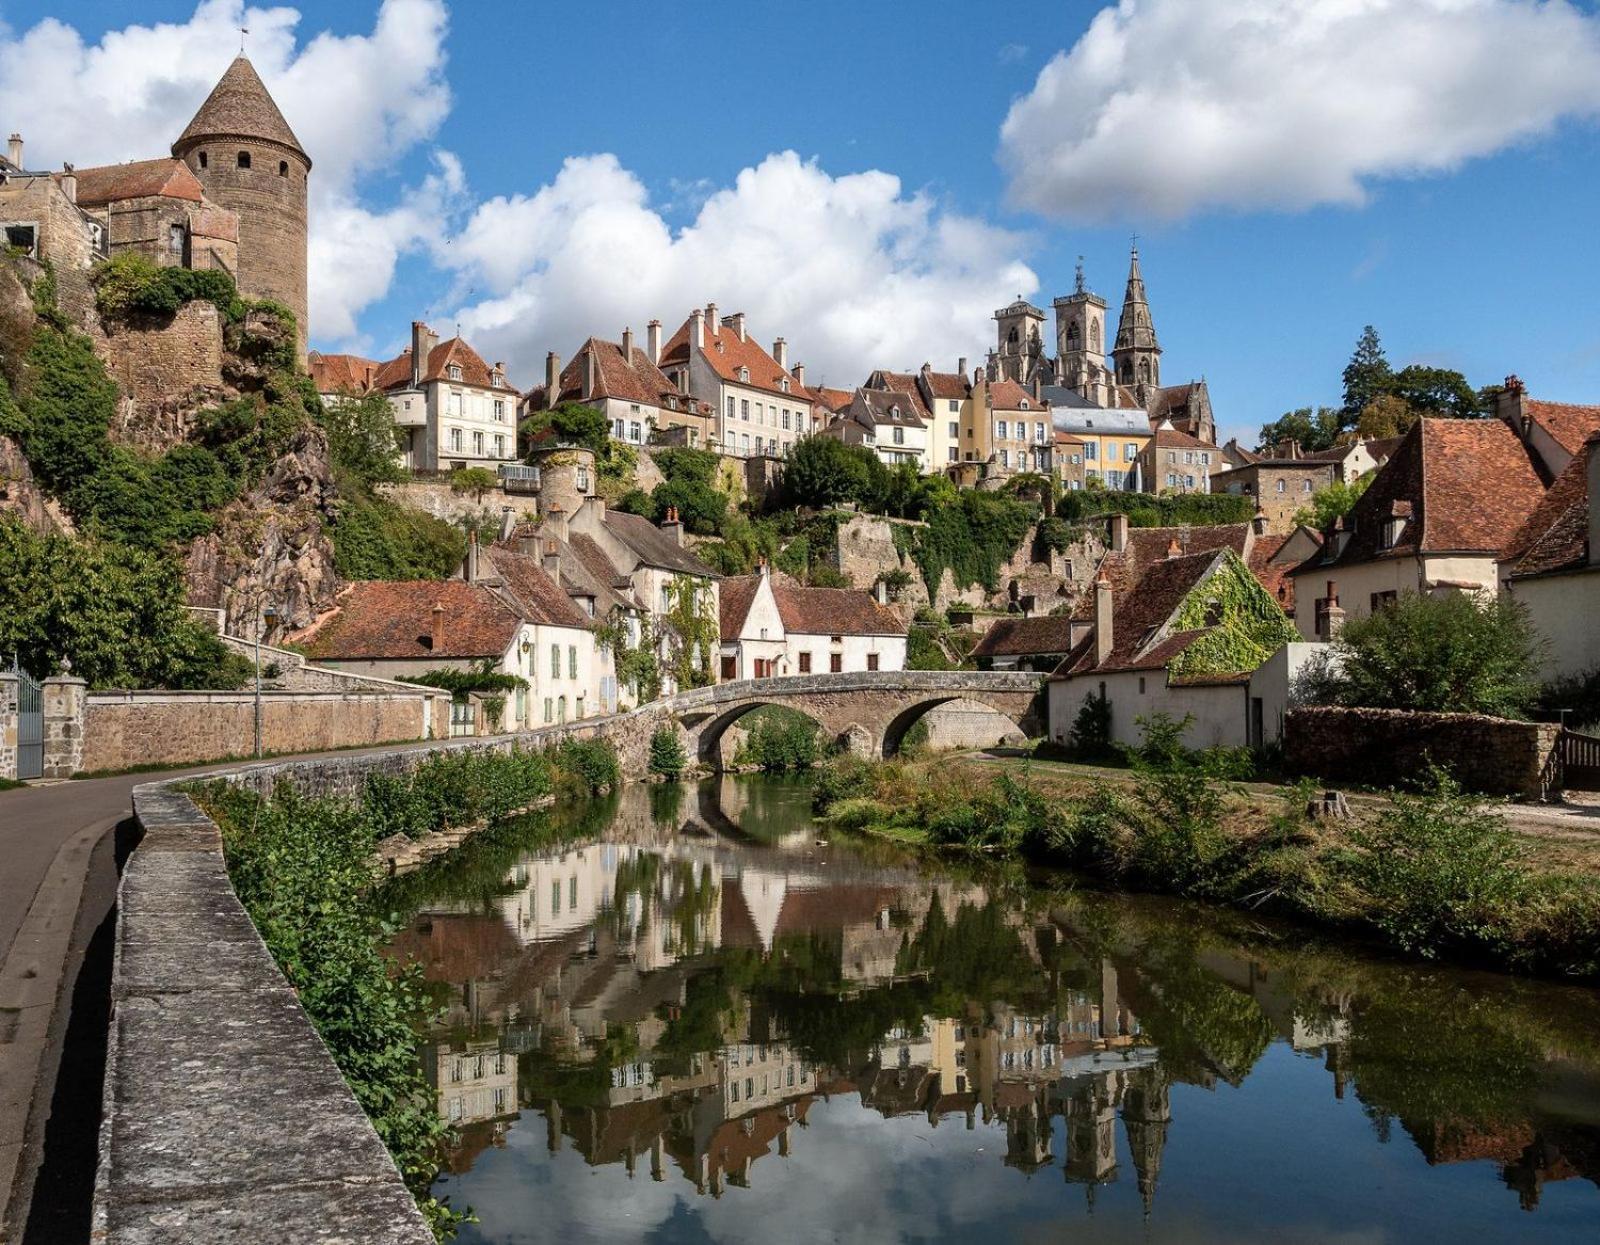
(396, 373)
(341, 373)
(165, 178)
(239, 106)
(537, 597)
(900, 382)
(832, 611)
(1569, 424)
(948, 384)
(393, 620)
(1008, 395)
(653, 546)
(1026, 637)
(638, 380)
(727, 354)
(836, 400)
(1174, 438)
(884, 406)
(1555, 536)
(735, 596)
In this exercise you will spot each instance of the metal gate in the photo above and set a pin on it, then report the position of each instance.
(30, 725)
(1579, 759)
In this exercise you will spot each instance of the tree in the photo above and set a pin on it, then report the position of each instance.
(363, 441)
(667, 756)
(571, 423)
(474, 480)
(1313, 430)
(1385, 416)
(701, 508)
(1333, 502)
(824, 471)
(1450, 654)
(1366, 375)
(1436, 391)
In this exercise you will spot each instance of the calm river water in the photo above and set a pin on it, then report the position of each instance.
(688, 1014)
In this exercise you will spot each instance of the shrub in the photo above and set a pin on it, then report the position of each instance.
(378, 539)
(840, 778)
(130, 284)
(474, 480)
(780, 740)
(667, 756)
(589, 765)
(1090, 737)
(459, 787)
(363, 441)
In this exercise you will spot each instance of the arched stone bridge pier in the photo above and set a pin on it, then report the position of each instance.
(870, 711)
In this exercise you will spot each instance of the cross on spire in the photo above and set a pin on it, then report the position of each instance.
(243, 31)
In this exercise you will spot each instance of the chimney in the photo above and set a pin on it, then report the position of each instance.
(423, 340)
(800, 374)
(14, 153)
(627, 346)
(652, 340)
(1593, 449)
(672, 526)
(961, 367)
(508, 523)
(1102, 621)
(69, 183)
(590, 381)
(1508, 404)
(594, 507)
(713, 324)
(1119, 532)
(880, 591)
(697, 328)
(780, 349)
(436, 636)
(552, 560)
(470, 571)
(1259, 522)
(552, 379)
(738, 324)
(556, 517)
(1332, 620)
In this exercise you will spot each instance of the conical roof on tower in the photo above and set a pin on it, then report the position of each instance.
(239, 106)
(1135, 330)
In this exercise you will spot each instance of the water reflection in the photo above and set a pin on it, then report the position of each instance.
(695, 984)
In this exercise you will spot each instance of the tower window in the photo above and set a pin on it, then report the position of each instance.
(283, 168)
(244, 159)
(202, 159)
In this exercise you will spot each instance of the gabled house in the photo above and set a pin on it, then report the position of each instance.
(1174, 461)
(1555, 432)
(622, 381)
(773, 626)
(1437, 517)
(888, 423)
(1553, 567)
(1028, 643)
(455, 410)
(1181, 635)
(1021, 435)
(760, 406)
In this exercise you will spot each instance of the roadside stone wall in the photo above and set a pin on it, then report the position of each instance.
(10, 694)
(1390, 748)
(166, 368)
(125, 729)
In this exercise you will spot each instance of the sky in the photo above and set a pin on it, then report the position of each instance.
(872, 180)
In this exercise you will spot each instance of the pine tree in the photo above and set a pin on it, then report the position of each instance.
(1367, 375)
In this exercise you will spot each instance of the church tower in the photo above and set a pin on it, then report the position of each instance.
(1137, 354)
(1081, 342)
(249, 161)
(1021, 343)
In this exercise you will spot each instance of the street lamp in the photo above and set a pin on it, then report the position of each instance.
(268, 616)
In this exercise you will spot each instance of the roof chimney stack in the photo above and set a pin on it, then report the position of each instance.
(697, 328)
(1508, 405)
(423, 340)
(1102, 621)
(508, 523)
(1593, 465)
(652, 340)
(14, 152)
(552, 560)
(590, 382)
(800, 374)
(1331, 621)
(69, 183)
(556, 517)
(470, 571)
(673, 526)
(1259, 522)
(436, 636)
(712, 323)
(738, 324)
(780, 349)
(1119, 532)
(627, 346)
(961, 367)
(552, 379)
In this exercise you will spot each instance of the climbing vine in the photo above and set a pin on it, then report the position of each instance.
(1245, 625)
(638, 665)
(691, 632)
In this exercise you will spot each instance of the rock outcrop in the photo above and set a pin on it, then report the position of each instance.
(21, 495)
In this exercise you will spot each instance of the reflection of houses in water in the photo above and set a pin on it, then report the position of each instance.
(475, 1084)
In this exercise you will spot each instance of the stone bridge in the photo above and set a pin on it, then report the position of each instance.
(869, 711)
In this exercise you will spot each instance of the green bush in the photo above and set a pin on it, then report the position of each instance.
(1090, 737)
(667, 756)
(588, 765)
(779, 740)
(363, 441)
(454, 788)
(378, 539)
(840, 778)
(130, 284)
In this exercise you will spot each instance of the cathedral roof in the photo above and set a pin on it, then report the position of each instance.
(1135, 330)
(239, 106)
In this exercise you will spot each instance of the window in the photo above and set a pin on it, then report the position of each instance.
(500, 446)
(477, 444)
(500, 410)
(899, 436)
(951, 454)
(783, 384)
(1391, 532)
(1282, 485)
(872, 661)
(1130, 451)
(572, 661)
(453, 402)
(1382, 600)
(1188, 457)
(1205, 458)
(283, 168)
(805, 663)
(744, 373)
(786, 421)
(555, 661)
(1188, 481)
(202, 159)
(24, 238)
(761, 413)
(548, 703)
(175, 239)
(635, 432)
(1038, 432)
(454, 371)
(836, 662)
(583, 479)
(744, 409)
(955, 430)
(1005, 458)
(746, 441)
(1000, 430)
(1089, 450)
(455, 439)
(730, 412)
(1305, 486)
(1141, 685)
(244, 159)
(617, 429)
(555, 897)
(572, 891)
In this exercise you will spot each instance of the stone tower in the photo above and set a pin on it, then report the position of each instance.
(1146, 1117)
(1021, 342)
(1081, 342)
(1137, 354)
(249, 161)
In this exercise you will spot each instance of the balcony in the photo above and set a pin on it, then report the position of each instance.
(519, 478)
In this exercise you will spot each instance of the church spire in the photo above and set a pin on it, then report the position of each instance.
(1137, 352)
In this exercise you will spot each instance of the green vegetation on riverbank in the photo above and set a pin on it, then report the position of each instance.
(1435, 873)
(305, 871)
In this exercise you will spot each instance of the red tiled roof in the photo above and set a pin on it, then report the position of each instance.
(836, 400)
(832, 611)
(1273, 576)
(727, 354)
(1008, 395)
(392, 620)
(1138, 613)
(638, 380)
(948, 384)
(341, 373)
(1569, 424)
(1555, 536)
(1173, 438)
(1026, 637)
(139, 179)
(900, 382)
(884, 406)
(536, 596)
(734, 599)
(653, 547)
(396, 373)
(1471, 484)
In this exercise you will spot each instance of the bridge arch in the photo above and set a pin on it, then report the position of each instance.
(894, 733)
(711, 728)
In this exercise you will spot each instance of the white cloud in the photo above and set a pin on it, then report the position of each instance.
(855, 271)
(1167, 107)
(356, 102)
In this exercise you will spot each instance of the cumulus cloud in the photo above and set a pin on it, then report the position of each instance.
(1167, 107)
(356, 102)
(854, 270)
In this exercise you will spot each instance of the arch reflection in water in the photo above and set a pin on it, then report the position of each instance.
(689, 991)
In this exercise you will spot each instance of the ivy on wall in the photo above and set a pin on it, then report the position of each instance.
(1246, 626)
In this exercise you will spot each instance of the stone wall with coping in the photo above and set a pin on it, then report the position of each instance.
(1392, 748)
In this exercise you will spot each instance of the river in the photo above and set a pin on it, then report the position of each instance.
(687, 1013)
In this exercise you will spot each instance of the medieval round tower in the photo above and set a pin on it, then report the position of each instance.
(249, 161)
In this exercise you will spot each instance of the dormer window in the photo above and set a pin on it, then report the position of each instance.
(1391, 532)
(1024, 404)
(784, 384)
(497, 380)
(744, 373)
(454, 371)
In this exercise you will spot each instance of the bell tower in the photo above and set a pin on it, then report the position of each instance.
(1080, 341)
(1137, 354)
(1019, 329)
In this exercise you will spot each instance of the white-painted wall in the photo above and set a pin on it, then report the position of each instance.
(1565, 611)
(1359, 581)
(1273, 683)
(1220, 717)
(444, 408)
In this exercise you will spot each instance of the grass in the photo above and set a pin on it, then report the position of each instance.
(10, 784)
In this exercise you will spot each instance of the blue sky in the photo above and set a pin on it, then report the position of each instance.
(1431, 171)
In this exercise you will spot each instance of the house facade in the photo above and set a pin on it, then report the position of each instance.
(622, 381)
(888, 423)
(1027, 643)
(1281, 487)
(453, 409)
(1173, 461)
(773, 626)
(1021, 434)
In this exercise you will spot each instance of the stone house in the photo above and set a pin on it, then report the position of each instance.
(621, 380)
(1160, 639)
(773, 626)
(1021, 435)
(1436, 518)
(41, 222)
(886, 422)
(455, 410)
(1173, 461)
(1028, 643)
(158, 209)
(1281, 486)
(760, 405)
(1067, 461)
(1552, 567)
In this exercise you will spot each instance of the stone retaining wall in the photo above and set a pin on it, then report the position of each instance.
(1391, 748)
